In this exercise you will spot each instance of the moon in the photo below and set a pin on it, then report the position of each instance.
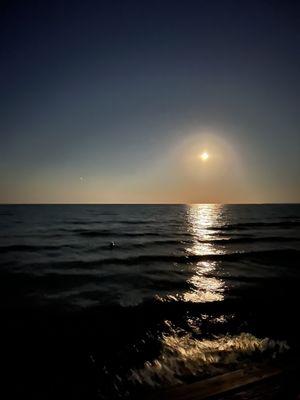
(204, 156)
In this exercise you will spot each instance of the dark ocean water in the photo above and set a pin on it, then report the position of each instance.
(187, 292)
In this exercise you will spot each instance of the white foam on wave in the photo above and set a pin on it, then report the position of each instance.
(183, 356)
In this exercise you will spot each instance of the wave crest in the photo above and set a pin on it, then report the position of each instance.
(183, 356)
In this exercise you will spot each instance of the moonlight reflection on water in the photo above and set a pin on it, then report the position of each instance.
(205, 287)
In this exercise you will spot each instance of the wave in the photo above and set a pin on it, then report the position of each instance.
(44, 280)
(134, 222)
(140, 245)
(265, 255)
(185, 242)
(250, 225)
(105, 233)
(252, 239)
(128, 246)
(144, 233)
(111, 221)
(30, 248)
(183, 355)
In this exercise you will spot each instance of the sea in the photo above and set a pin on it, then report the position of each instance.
(122, 301)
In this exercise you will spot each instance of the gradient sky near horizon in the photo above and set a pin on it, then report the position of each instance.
(113, 101)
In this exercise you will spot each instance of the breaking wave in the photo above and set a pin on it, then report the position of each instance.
(183, 355)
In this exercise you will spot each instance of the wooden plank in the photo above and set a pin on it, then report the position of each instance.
(218, 385)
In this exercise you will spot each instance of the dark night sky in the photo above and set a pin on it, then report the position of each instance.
(112, 101)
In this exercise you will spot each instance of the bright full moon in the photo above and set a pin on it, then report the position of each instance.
(204, 156)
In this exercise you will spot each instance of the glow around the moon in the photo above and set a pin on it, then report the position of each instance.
(204, 156)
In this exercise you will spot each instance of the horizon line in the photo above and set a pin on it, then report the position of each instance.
(162, 203)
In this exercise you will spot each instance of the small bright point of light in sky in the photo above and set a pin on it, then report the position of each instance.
(204, 156)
